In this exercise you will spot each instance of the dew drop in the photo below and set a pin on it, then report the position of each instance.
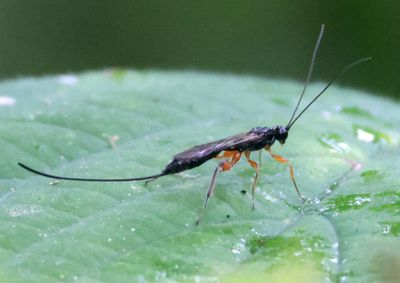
(7, 101)
(368, 134)
(364, 136)
(235, 251)
(386, 229)
(334, 142)
(333, 260)
(68, 80)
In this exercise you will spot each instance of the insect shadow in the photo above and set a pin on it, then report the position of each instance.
(231, 149)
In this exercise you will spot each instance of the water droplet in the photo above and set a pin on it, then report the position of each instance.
(316, 200)
(7, 101)
(18, 211)
(269, 197)
(335, 142)
(239, 247)
(368, 134)
(322, 210)
(364, 136)
(333, 260)
(235, 251)
(70, 80)
(360, 200)
(133, 229)
(386, 229)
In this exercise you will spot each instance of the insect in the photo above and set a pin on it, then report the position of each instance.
(231, 149)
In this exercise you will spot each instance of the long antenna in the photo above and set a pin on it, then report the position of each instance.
(310, 71)
(88, 179)
(359, 61)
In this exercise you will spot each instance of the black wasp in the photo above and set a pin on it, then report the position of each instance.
(230, 149)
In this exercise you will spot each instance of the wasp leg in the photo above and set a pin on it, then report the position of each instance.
(222, 166)
(281, 159)
(256, 178)
(226, 154)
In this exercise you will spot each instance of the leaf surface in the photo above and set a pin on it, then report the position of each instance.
(119, 123)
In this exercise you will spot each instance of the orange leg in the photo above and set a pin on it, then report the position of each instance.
(283, 160)
(222, 166)
(255, 166)
(226, 154)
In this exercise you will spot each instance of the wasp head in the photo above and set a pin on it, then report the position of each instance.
(281, 134)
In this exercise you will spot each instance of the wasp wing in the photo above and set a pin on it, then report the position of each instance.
(199, 154)
(209, 150)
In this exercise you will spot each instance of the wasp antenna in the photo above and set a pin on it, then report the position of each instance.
(346, 68)
(310, 71)
(87, 179)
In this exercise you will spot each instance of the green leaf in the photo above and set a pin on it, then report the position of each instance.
(116, 124)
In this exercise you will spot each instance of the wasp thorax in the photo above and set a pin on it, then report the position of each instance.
(259, 130)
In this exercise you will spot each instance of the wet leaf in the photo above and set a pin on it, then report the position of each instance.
(116, 124)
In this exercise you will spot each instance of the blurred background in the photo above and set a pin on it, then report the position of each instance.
(271, 38)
